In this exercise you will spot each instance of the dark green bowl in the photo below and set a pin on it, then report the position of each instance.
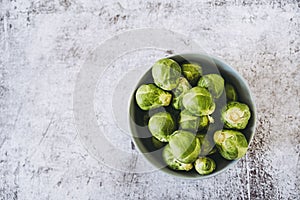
(139, 118)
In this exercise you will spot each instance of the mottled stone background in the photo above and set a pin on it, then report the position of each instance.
(45, 42)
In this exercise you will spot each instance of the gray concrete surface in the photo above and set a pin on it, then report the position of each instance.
(45, 43)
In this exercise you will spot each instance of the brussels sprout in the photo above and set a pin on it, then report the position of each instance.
(235, 115)
(185, 146)
(156, 143)
(205, 165)
(172, 162)
(166, 73)
(207, 147)
(231, 94)
(204, 122)
(188, 121)
(198, 101)
(214, 83)
(161, 125)
(192, 72)
(149, 96)
(231, 144)
(182, 87)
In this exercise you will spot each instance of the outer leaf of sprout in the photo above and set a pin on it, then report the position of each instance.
(214, 83)
(149, 96)
(205, 165)
(231, 144)
(188, 121)
(172, 162)
(182, 87)
(185, 146)
(192, 72)
(166, 74)
(231, 93)
(207, 147)
(198, 101)
(161, 125)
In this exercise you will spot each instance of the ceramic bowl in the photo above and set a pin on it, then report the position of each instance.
(139, 118)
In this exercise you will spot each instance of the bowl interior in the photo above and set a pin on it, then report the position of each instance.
(139, 118)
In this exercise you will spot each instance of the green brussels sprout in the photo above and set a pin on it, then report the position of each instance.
(198, 101)
(185, 146)
(235, 115)
(188, 121)
(231, 144)
(192, 72)
(156, 143)
(166, 73)
(161, 125)
(207, 147)
(149, 96)
(204, 122)
(182, 87)
(172, 162)
(231, 94)
(214, 83)
(205, 165)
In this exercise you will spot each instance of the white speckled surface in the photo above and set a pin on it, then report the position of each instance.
(44, 44)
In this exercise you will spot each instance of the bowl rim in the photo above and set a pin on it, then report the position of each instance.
(174, 173)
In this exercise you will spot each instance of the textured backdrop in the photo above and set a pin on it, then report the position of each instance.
(45, 42)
